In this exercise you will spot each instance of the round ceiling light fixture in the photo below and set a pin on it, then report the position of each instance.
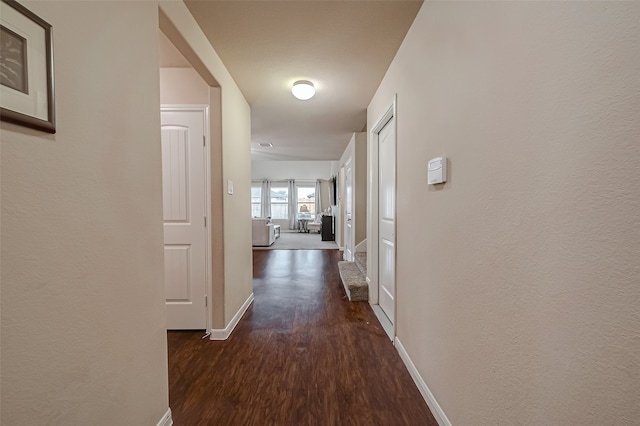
(303, 90)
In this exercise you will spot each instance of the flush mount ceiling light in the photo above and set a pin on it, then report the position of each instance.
(303, 90)
(265, 144)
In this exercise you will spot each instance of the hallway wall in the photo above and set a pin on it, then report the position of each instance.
(83, 316)
(517, 280)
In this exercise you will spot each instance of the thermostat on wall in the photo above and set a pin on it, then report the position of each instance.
(437, 171)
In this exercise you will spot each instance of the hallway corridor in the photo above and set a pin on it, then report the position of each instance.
(301, 355)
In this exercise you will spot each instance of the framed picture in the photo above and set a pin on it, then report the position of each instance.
(26, 68)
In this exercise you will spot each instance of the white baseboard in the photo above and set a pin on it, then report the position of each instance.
(383, 320)
(435, 408)
(373, 295)
(166, 419)
(223, 334)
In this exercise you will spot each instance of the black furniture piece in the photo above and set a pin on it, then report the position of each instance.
(327, 231)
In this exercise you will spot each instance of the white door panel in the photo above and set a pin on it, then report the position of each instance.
(177, 277)
(175, 168)
(183, 186)
(386, 219)
(387, 267)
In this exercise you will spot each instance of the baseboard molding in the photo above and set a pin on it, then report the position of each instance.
(373, 295)
(223, 334)
(383, 320)
(435, 408)
(166, 419)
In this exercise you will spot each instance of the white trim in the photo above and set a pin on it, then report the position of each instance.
(166, 420)
(361, 247)
(383, 320)
(347, 161)
(223, 334)
(435, 408)
(209, 229)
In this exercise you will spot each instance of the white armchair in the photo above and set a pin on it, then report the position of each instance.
(316, 224)
(263, 232)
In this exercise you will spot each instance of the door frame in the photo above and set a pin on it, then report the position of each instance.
(348, 228)
(373, 217)
(339, 214)
(204, 109)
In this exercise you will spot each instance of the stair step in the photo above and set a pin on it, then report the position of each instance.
(360, 259)
(354, 282)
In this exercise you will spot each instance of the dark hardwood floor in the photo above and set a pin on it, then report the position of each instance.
(301, 355)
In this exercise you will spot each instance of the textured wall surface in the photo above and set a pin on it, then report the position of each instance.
(518, 281)
(83, 315)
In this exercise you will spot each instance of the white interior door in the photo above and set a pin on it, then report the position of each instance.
(348, 210)
(386, 219)
(183, 186)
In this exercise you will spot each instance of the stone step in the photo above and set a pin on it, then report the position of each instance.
(354, 282)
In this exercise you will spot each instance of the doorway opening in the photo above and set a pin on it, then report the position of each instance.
(186, 83)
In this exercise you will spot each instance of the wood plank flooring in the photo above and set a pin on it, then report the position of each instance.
(301, 355)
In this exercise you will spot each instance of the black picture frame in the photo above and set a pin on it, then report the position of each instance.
(26, 65)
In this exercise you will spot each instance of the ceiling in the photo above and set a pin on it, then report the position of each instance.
(343, 47)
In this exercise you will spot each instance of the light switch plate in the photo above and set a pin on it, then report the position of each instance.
(437, 171)
(230, 187)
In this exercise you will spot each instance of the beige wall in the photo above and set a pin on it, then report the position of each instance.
(217, 194)
(182, 86)
(235, 144)
(298, 170)
(83, 316)
(325, 199)
(518, 280)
